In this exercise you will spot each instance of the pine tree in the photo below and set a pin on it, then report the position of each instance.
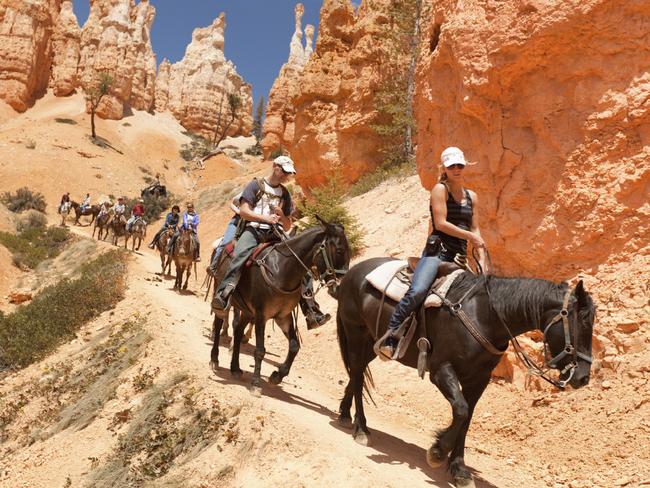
(94, 95)
(257, 121)
(394, 98)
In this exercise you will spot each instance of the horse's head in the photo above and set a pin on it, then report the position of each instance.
(567, 337)
(184, 243)
(332, 259)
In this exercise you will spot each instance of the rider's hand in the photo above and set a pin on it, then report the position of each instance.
(476, 240)
(273, 219)
(277, 211)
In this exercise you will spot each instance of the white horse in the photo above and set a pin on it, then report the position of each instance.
(64, 210)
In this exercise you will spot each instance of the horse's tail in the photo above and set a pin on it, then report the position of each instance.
(368, 380)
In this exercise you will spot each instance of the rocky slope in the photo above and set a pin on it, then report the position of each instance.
(194, 88)
(280, 112)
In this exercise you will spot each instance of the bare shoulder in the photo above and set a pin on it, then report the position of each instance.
(439, 189)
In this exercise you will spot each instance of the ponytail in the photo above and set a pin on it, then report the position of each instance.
(443, 178)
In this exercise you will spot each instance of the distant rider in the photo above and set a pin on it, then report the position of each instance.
(171, 222)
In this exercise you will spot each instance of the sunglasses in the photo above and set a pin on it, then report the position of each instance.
(285, 172)
(456, 166)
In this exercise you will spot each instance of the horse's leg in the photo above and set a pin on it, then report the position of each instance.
(187, 279)
(446, 380)
(359, 361)
(224, 330)
(239, 324)
(214, 353)
(457, 468)
(178, 277)
(260, 352)
(294, 346)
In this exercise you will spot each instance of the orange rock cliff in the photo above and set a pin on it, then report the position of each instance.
(41, 45)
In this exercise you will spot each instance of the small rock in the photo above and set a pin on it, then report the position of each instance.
(606, 384)
(389, 210)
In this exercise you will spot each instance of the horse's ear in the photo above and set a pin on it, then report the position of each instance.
(322, 222)
(581, 294)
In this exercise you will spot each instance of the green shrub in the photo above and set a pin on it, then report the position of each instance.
(327, 203)
(255, 150)
(388, 171)
(57, 312)
(35, 244)
(23, 199)
(66, 121)
(31, 220)
(197, 148)
(278, 152)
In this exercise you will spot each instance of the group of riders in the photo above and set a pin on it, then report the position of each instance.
(263, 212)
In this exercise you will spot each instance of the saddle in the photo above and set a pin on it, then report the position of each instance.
(230, 249)
(394, 279)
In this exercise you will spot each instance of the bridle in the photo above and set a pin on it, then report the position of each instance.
(569, 348)
(550, 362)
(329, 278)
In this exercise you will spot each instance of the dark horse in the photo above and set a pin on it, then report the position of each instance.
(93, 211)
(183, 255)
(272, 291)
(458, 364)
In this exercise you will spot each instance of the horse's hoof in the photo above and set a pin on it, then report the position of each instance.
(214, 365)
(345, 422)
(362, 438)
(275, 378)
(435, 458)
(255, 391)
(236, 373)
(464, 482)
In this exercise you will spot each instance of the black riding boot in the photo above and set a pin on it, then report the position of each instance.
(311, 310)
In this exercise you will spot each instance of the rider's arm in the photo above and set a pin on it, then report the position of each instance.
(234, 204)
(439, 205)
(477, 231)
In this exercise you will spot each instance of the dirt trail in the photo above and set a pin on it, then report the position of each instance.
(306, 402)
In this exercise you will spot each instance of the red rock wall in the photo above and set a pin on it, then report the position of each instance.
(335, 100)
(552, 100)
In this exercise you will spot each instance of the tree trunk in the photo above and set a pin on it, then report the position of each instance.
(225, 130)
(216, 127)
(414, 47)
(92, 121)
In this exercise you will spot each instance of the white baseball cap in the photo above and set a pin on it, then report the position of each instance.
(285, 163)
(451, 156)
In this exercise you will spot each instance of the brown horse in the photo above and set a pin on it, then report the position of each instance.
(161, 246)
(102, 223)
(183, 254)
(93, 211)
(137, 231)
(118, 226)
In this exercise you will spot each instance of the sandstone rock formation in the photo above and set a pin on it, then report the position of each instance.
(26, 28)
(280, 112)
(551, 99)
(334, 105)
(194, 88)
(116, 40)
(65, 47)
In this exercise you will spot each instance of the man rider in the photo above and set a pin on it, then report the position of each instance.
(119, 209)
(190, 221)
(310, 308)
(171, 222)
(86, 203)
(136, 212)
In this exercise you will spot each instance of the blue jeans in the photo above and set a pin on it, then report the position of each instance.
(228, 236)
(423, 278)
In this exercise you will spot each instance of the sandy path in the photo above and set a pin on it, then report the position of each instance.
(307, 400)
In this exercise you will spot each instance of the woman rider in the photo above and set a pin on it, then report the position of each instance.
(454, 220)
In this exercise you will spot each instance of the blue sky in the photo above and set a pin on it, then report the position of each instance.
(258, 32)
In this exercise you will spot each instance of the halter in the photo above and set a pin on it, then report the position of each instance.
(552, 363)
(330, 277)
(569, 349)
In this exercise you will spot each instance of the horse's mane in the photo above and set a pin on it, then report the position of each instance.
(510, 295)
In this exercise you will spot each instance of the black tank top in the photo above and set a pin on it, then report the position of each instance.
(460, 216)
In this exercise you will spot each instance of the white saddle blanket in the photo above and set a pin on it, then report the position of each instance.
(397, 288)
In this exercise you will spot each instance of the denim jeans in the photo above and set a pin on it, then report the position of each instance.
(423, 278)
(228, 236)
